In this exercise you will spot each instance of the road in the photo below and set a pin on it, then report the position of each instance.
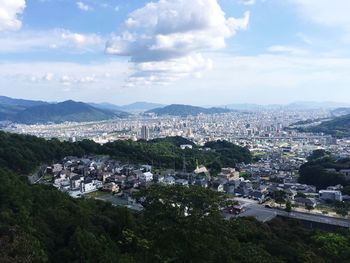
(36, 177)
(263, 214)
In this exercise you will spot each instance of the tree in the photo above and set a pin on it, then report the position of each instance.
(317, 154)
(279, 197)
(288, 206)
(333, 245)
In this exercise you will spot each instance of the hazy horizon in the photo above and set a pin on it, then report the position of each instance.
(199, 105)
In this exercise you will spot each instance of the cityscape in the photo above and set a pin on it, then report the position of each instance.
(174, 131)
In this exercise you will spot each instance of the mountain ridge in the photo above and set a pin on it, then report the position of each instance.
(42, 112)
(186, 110)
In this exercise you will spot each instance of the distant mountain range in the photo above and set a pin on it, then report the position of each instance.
(32, 112)
(186, 110)
(307, 105)
(136, 107)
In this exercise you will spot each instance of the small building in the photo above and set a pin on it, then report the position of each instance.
(330, 195)
(182, 182)
(229, 174)
(146, 177)
(169, 180)
(306, 202)
(111, 187)
(186, 146)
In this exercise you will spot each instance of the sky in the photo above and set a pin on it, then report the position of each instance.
(201, 52)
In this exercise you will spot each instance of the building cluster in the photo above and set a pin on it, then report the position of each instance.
(80, 176)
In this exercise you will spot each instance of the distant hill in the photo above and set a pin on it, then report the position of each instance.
(186, 110)
(7, 101)
(141, 106)
(107, 106)
(339, 126)
(132, 108)
(303, 105)
(341, 111)
(9, 107)
(309, 105)
(64, 111)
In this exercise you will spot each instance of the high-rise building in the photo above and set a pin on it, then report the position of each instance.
(145, 133)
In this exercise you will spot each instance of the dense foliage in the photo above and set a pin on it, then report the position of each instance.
(179, 224)
(24, 153)
(314, 171)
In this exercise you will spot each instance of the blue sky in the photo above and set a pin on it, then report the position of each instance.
(202, 52)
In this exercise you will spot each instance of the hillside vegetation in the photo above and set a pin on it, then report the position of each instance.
(186, 110)
(40, 224)
(339, 127)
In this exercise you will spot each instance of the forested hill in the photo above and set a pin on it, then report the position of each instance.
(40, 224)
(339, 126)
(322, 170)
(23, 153)
(186, 110)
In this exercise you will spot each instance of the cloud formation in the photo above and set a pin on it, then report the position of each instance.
(10, 10)
(57, 39)
(163, 38)
(247, 2)
(84, 7)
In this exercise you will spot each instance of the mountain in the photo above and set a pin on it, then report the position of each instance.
(339, 126)
(186, 110)
(133, 107)
(141, 106)
(64, 111)
(106, 106)
(6, 101)
(340, 112)
(9, 107)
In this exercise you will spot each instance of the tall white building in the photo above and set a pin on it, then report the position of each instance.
(145, 133)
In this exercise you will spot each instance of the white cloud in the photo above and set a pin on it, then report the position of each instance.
(288, 50)
(167, 34)
(84, 7)
(80, 40)
(247, 2)
(10, 10)
(58, 75)
(163, 72)
(59, 39)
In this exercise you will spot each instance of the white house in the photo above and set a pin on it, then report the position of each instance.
(146, 177)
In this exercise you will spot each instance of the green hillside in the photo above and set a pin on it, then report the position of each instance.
(40, 224)
(339, 127)
(186, 110)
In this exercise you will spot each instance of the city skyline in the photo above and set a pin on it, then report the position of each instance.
(202, 52)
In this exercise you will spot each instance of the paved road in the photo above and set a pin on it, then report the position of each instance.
(263, 214)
